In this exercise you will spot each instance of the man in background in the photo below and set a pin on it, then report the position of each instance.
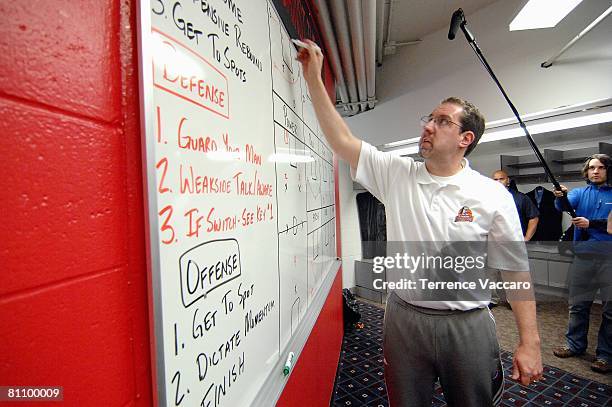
(527, 211)
(591, 269)
(528, 215)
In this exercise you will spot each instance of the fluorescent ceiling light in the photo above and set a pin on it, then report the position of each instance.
(534, 129)
(542, 114)
(400, 143)
(542, 14)
(548, 127)
(405, 151)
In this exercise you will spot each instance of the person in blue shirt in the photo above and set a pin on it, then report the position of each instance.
(591, 269)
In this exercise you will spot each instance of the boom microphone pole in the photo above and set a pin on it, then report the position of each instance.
(458, 20)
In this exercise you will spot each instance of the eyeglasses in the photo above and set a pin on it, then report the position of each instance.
(439, 121)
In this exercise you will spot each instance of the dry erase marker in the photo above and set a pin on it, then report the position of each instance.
(288, 363)
(300, 43)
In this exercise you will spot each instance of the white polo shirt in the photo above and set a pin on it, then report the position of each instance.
(425, 208)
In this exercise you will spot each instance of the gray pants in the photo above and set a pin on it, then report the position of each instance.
(458, 347)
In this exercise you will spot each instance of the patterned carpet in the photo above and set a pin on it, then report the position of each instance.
(360, 378)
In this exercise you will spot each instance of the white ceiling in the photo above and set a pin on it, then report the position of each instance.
(413, 19)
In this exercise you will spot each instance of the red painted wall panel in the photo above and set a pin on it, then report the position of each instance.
(63, 54)
(312, 380)
(65, 213)
(136, 272)
(73, 291)
(75, 335)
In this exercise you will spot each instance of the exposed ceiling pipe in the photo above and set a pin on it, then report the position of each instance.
(369, 33)
(403, 43)
(380, 29)
(548, 63)
(390, 46)
(338, 13)
(389, 26)
(354, 104)
(355, 20)
(330, 42)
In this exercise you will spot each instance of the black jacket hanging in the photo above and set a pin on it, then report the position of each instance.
(373, 225)
(549, 225)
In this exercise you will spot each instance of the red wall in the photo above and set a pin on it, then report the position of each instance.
(73, 291)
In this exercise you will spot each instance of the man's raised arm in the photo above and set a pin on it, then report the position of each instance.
(337, 133)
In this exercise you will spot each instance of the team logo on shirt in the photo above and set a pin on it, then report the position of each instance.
(464, 215)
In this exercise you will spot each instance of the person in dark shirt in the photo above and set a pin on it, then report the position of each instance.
(591, 269)
(528, 213)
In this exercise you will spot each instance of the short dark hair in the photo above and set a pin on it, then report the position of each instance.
(471, 120)
(604, 159)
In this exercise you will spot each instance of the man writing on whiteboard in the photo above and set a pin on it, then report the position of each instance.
(440, 200)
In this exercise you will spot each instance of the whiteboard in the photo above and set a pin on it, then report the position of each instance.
(240, 200)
